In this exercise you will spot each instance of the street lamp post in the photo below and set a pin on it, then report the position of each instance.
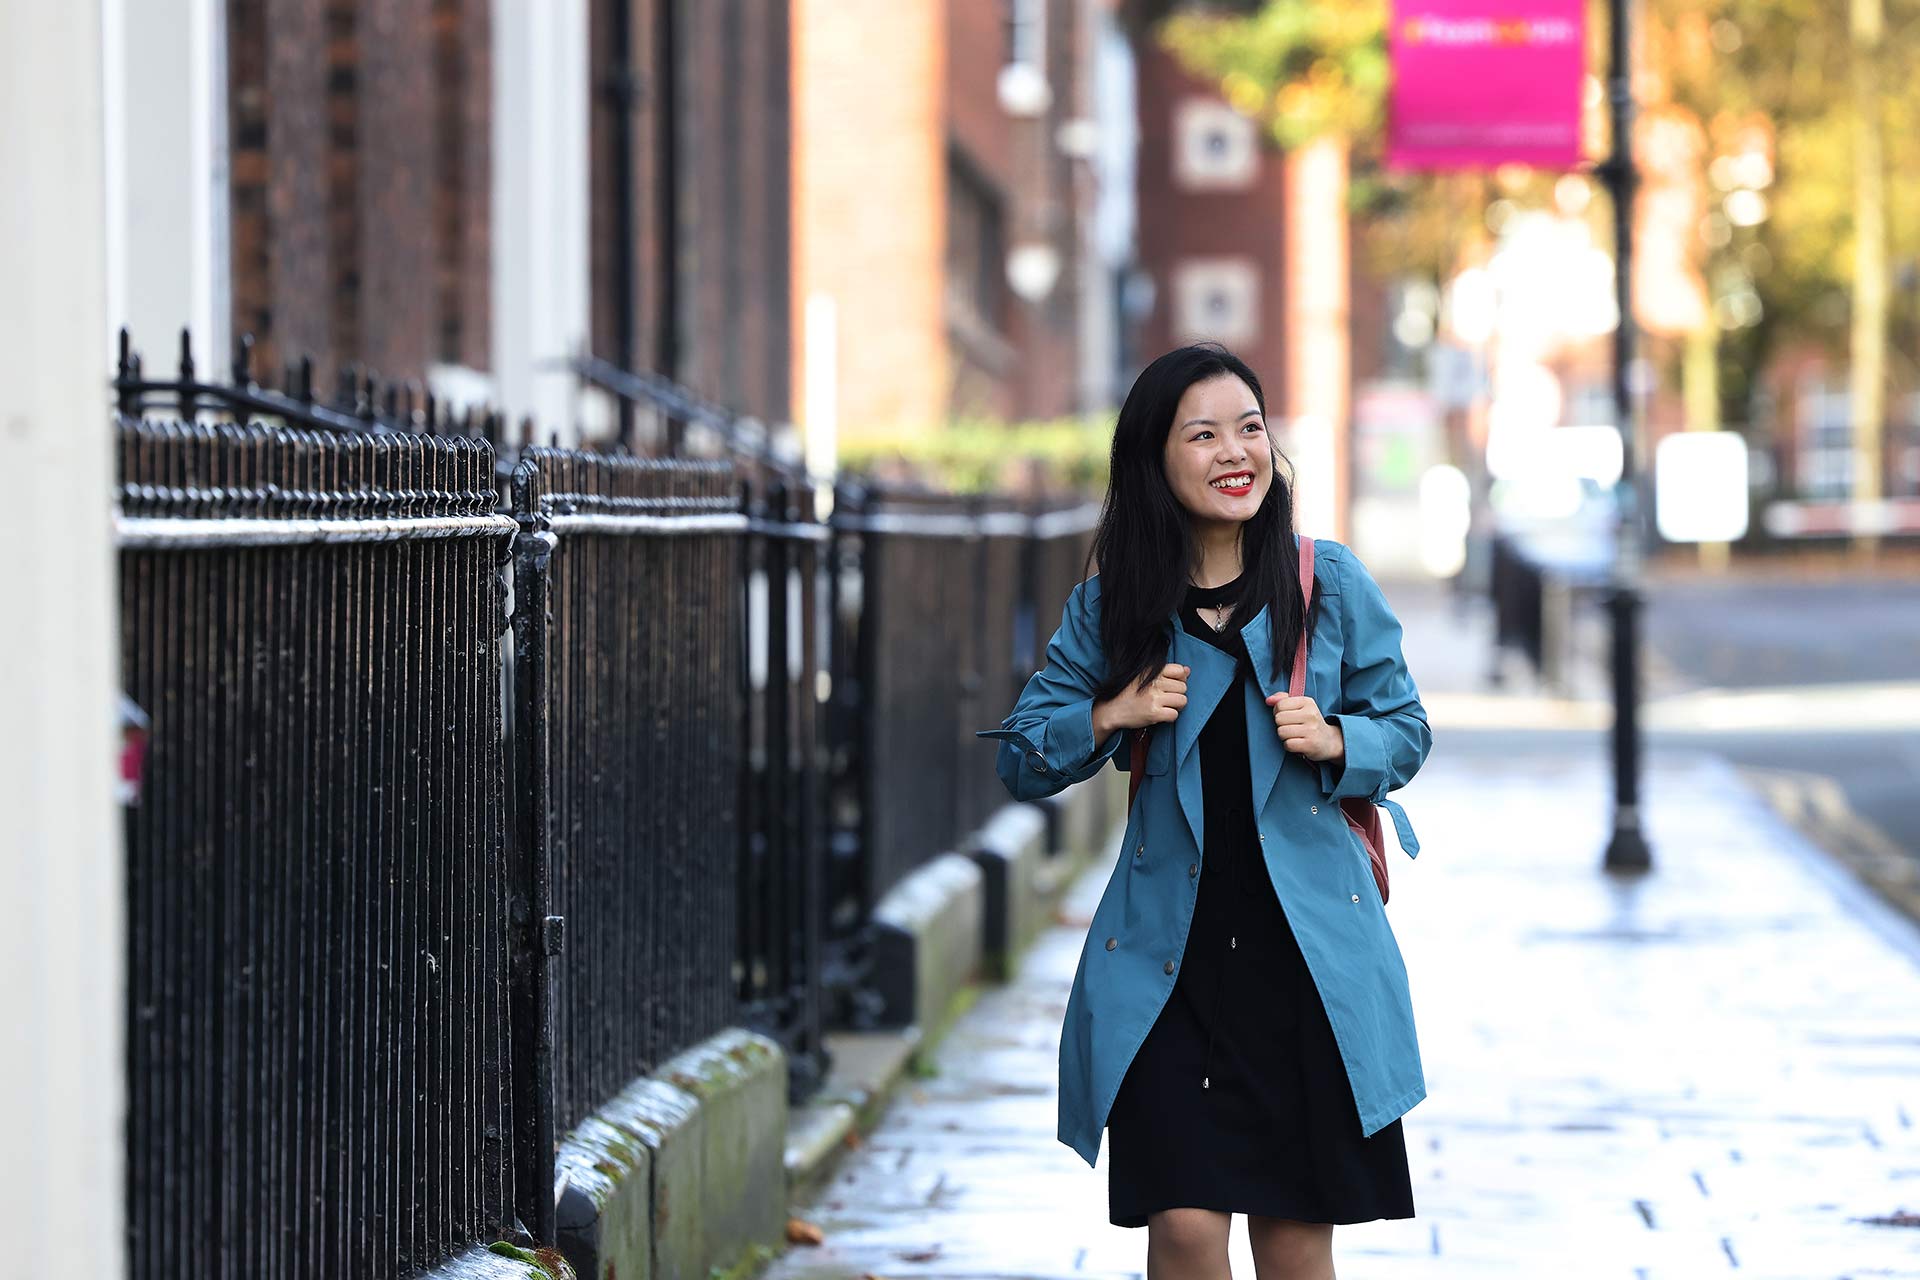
(1627, 850)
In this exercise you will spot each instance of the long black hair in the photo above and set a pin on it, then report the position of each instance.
(1144, 543)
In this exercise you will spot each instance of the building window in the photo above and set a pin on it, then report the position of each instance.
(1826, 443)
(1216, 298)
(1026, 32)
(1825, 467)
(1215, 147)
(976, 244)
(1022, 85)
(1903, 462)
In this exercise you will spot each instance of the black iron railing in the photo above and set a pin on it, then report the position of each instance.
(920, 598)
(644, 718)
(408, 903)
(783, 593)
(360, 403)
(952, 591)
(317, 1049)
(783, 777)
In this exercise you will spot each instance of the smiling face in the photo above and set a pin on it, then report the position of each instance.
(1218, 461)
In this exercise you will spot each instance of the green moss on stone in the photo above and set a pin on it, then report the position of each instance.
(751, 1263)
(547, 1263)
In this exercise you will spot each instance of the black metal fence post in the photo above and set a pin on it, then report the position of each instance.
(809, 1066)
(1627, 849)
(972, 803)
(536, 933)
(849, 890)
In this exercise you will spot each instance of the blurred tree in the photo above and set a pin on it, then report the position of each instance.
(1839, 220)
(1305, 68)
(1304, 71)
(984, 455)
(1792, 95)
(1308, 70)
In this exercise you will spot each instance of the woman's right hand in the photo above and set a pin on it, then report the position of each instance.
(1139, 708)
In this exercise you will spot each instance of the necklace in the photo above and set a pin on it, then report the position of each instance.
(1219, 609)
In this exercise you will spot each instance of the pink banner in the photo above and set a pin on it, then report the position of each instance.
(1478, 83)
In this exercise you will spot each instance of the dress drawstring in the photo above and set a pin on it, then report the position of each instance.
(1213, 1026)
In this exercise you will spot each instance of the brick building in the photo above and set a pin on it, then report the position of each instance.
(462, 194)
(360, 196)
(1213, 221)
(946, 185)
(691, 231)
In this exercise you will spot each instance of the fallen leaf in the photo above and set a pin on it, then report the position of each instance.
(921, 1255)
(800, 1231)
(854, 1140)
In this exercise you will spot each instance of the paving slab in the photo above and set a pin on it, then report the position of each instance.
(1711, 1069)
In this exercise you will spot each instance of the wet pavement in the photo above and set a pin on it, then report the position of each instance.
(1710, 1070)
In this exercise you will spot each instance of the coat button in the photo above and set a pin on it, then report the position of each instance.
(1193, 869)
(1313, 808)
(1356, 897)
(1168, 966)
(1140, 850)
(1112, 943)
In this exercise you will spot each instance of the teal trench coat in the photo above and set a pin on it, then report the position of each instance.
(1357, 676)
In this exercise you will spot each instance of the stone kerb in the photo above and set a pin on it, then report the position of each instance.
(927, 941)
(683, 1172)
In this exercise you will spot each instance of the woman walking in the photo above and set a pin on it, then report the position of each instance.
(1240, 1022)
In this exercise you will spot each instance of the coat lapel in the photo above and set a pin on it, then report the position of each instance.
(1264, 752)
(1214, 672)
(1211, 675)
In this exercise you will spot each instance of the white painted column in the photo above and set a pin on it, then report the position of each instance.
(1319, 346)
(541, 300)
(61, 1085)
(820, 391)
(1109, 236)
(169, 260)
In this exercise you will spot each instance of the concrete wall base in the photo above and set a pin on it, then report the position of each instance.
(504, 1262)
(1019, 881)
(927, 935)
(1089, 811)
(739, 1080)
(683, 1172)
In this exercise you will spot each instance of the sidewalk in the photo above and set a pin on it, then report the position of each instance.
(1449, 645)
(1712, 1070)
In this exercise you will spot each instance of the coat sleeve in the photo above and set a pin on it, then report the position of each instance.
(1046, 743)
(1379, 710)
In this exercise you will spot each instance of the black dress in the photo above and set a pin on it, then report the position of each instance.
(1237, 1100)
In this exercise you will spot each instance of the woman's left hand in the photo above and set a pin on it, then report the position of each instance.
(1304, 731)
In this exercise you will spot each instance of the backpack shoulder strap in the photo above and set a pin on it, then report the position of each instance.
(1297, 682)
